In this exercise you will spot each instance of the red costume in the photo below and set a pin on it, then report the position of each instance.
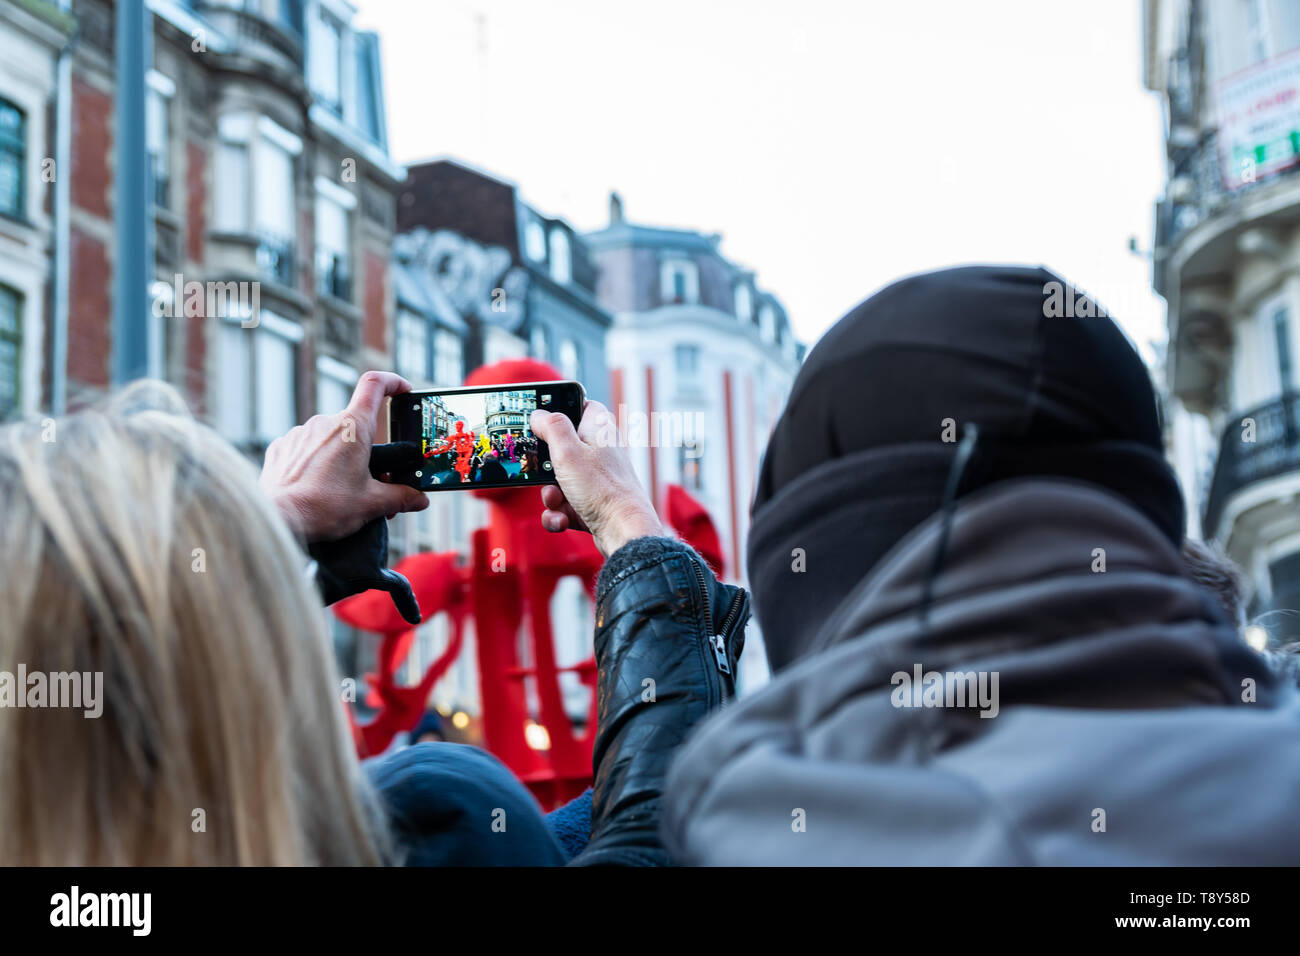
(462, 443)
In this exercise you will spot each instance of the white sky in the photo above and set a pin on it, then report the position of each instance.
(836, 144)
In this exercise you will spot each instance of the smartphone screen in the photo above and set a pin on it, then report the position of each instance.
(479, 437)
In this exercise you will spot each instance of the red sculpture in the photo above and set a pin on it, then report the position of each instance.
(462, 443)
(514, 568)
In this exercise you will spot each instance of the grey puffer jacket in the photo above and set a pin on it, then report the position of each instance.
(1128, 724)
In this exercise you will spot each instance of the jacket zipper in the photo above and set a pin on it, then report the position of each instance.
(716, 641)
(720, 647)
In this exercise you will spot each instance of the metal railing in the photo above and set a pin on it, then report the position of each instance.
(333, 275)
(275, 24)
(160, 182)
(1257, 445)
(275, 258)
(1200, 166)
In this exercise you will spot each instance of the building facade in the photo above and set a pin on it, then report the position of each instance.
(481, 276)
(271, 187)
(701, 360)
(1227, 262)
(34, 37)
(525, 283)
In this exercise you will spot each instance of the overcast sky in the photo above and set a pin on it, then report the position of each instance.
(836, 144)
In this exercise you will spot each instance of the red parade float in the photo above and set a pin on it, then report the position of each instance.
(505, 591)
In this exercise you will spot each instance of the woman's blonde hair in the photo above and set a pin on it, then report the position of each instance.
(137, 545)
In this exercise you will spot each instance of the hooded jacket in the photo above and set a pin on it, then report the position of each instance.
(986, 650)
(1111, 717)
(867, 443)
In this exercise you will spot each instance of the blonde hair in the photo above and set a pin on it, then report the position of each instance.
(138, 545)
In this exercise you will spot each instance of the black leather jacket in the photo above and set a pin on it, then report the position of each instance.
(668, 638)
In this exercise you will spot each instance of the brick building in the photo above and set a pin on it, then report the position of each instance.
(270, 181)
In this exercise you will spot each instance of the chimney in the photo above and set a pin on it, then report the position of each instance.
(615, 208)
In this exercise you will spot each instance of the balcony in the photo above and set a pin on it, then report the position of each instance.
(1274, 452)
(265, 29)
(1197, 192)
(275, 258)
(160, 182)
(333, 275)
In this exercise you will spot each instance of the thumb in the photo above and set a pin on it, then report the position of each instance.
(399, 589)
(388, 499)
(398, 456)
(556, 429)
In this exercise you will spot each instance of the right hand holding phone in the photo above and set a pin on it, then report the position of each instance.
(598, 490)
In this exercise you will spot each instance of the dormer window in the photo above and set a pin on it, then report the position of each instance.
(744, 300)
(534, 241)
(561, 260)
(767, 323)
(679, 282)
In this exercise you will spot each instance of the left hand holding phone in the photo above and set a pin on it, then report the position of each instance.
(326, 479)
(319, 474)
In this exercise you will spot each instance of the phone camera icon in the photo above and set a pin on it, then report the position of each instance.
(419, 474)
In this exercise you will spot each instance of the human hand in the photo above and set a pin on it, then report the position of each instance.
(318, 474)
(598, 490)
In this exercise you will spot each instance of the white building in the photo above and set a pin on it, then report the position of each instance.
(1227, 261)
(31, 37)
(701, 361)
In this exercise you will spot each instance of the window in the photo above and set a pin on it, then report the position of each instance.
(369, 113)
(767, 323)
(569, 359)
(334, 384)
(1282, 336)
(688, 360)
(1258, 29)
(690, 459)
(157, 102)
(744, 302)
(255, 191)
(273, 211)
(534, 240)
(412, 346)
(258, 383)
(231, 193)
(561, 261)
(333, 245)
(540, 343)
(11, 350)
(13, 160)
(448, 360)
(679, 281)
(325, 51)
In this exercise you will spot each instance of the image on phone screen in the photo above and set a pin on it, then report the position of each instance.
(479, 438)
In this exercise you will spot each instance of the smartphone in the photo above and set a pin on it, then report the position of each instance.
(479, 437)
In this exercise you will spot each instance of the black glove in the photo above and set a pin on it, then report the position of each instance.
(356, 563)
